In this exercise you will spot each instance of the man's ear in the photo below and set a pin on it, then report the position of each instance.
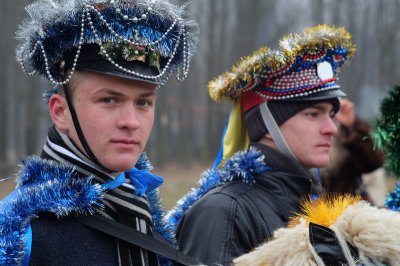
(268, 137)
(267, 140)
(59, 112)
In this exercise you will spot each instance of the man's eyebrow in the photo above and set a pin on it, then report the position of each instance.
(322, 107)
(147, 93)
(109, 91)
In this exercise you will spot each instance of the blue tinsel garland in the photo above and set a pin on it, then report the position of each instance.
(393, 199)
(49, 186)
(49, 189)
(243, 165)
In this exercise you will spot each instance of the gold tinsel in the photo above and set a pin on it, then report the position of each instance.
(265, 61)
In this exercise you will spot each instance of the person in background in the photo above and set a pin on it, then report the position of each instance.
(106, 60)
(285, 103)
(353, 154)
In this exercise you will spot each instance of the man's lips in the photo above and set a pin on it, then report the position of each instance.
(125, 141)
(324, 145)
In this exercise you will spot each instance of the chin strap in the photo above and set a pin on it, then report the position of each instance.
(273, 129)
(79, 131)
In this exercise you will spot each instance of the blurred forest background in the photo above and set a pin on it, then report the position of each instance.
(189, 125)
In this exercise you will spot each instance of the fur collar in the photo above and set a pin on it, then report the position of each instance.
(45, 185)
(243, 165)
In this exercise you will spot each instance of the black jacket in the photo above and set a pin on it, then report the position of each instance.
(68, 242)
(234, 218)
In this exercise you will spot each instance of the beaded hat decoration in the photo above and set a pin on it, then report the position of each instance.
(128, 35)
(305, 64)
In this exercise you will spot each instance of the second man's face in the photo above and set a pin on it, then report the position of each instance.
(309, 134)
(116, 116)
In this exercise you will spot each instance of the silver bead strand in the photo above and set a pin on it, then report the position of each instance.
(186, 54)
(122, 38)
(30, 74)
(50, 77)
(135, 19)
(99, 42)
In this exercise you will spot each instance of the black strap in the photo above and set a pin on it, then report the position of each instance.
(79, 131)
(137, 238)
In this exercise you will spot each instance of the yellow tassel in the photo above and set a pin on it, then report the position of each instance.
(324, 210)
(236, 137)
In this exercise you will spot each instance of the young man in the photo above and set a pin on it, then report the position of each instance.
(344, 230)
(106, 60)
(286, 100)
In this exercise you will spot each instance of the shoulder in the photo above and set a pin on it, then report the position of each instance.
(228, 195)
(263, 206)
(222, 203)
(44, 186)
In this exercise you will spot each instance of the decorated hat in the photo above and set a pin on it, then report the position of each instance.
(303, 70)
(305, 66)
(340, 230)
(134, 39)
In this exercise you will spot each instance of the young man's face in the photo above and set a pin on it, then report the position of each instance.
(309, 134)
(116, 116)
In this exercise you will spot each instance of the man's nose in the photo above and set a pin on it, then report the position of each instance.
(329, 126)
(128, 118)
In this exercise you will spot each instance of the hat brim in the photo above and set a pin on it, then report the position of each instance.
(90, 59)
(105, 67)
(324, 95)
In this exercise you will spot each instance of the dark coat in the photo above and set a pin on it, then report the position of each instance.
(234, 218)
(68, 242)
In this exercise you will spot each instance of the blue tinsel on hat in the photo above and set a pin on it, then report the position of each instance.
(57, 26)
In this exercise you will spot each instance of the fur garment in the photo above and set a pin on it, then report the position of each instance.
(374, 232)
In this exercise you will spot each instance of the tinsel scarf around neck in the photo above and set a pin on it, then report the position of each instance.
(46, 185)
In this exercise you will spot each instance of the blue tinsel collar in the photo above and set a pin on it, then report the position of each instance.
(243, 165)
(46, 185)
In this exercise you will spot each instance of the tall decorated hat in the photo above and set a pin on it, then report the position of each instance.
(303, 69)
(135, 39)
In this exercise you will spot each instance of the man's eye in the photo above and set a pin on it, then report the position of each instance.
(312, 114)
(107, 100)
(143, 102)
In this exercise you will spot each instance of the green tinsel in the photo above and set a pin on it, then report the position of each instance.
(386, 133)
